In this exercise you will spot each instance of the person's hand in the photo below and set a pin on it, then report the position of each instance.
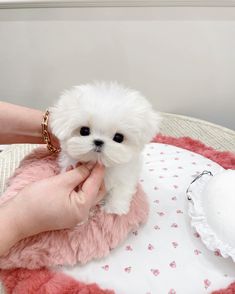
(53, 203)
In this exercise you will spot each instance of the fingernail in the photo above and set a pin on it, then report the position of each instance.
(90, 165)
(100, 165)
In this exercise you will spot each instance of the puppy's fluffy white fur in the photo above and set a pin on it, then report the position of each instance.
(106, 109)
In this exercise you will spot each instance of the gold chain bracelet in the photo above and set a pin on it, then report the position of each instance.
(46, 134)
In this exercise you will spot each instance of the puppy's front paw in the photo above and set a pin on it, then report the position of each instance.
(116, 207)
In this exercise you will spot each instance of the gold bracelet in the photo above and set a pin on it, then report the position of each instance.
(46, 135)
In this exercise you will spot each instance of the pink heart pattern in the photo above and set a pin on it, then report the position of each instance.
(172, 264)
(156, 227)
(197, 252)
(217, 253)
(129, 248)
(127, 269)
(179, 211)
(207, 283)
(174, 225)
(105, 267)
(155, 272)
(196, 235)
(150, 247)
(160, 213)
(175, 244)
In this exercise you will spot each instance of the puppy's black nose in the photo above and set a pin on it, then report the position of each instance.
(98, 143)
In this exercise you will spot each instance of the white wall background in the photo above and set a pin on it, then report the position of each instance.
(182, 59)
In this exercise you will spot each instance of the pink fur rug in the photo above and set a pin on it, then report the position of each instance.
(94, 239)
(229, 290)
(23, 281)
(226, 159)
(43, 281)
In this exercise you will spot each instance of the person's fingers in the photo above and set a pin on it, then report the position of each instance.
(101, 193)
(102, 188)
(91, 186)
(95, 180)
(74, 177)
(90, 165)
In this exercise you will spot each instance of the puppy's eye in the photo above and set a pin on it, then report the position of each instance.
(118, 138)
(85, 131)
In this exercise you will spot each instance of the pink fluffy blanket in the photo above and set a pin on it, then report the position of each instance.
(91, 240)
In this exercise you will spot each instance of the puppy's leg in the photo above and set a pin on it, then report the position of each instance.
(121, 183)
(118, 200)
(65, 161)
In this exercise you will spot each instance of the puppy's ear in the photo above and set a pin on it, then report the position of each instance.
(64, 115)
(151, 125)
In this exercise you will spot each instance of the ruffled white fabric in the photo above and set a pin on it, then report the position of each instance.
(199, 219)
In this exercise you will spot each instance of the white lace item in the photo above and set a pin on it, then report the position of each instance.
(212, 210)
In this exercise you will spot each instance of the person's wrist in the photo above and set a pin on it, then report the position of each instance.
(48, 137)
(54, 140)
(9, 232)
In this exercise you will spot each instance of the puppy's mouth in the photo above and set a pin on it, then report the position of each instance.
(98, 145)
(97, 149)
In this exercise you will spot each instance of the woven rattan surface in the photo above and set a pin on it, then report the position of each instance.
(218, 137)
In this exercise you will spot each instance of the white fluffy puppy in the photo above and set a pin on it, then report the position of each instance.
(108, 123)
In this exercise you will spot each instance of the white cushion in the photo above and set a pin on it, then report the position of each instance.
(212, 210)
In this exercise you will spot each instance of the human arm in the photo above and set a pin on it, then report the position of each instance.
(21, 125)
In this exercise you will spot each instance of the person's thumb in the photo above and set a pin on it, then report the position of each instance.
(75, 176)
(89, 192)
